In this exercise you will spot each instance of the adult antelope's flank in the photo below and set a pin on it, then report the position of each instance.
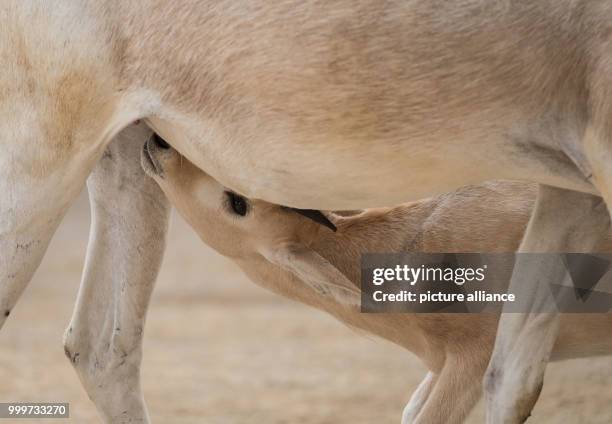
(317, 105)
(275, 247)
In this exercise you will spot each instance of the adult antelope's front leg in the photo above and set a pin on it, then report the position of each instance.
(562, 221)
(129, 223)
(37, 184)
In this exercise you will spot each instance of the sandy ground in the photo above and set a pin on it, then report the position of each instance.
(220, 350)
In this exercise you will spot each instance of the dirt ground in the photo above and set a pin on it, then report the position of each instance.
(220, 350)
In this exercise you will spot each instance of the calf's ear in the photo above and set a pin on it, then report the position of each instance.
(314, 270)
(316, 216)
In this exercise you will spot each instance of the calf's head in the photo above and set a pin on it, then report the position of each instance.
(246, 229)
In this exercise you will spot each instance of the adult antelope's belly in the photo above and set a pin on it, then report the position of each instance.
(319, 169)
(325, 173)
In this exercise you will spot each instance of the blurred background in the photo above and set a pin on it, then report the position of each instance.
(219, 349)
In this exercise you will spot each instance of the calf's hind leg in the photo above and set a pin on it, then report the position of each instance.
(127, 240)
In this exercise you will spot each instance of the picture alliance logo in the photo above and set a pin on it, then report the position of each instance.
(428, 274)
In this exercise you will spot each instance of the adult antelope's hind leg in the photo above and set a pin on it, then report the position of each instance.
(127, 240)
(562, 221)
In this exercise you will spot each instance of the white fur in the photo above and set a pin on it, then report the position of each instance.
(129, 220)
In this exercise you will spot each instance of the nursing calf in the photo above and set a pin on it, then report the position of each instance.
(294, 255)
(391, 101)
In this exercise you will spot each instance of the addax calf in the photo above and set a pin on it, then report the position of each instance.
(391, 101)
(282, 250)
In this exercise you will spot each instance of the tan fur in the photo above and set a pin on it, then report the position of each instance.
(486, 218)
(357, 85)
(391, 100)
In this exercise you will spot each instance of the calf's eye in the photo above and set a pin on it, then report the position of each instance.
(237, 203)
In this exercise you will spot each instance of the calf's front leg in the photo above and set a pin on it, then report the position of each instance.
(448, 397)
(419, 397)
(127, 240)
(562, 221)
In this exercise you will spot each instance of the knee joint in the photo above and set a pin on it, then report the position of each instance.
(71, 347)
(492, 380)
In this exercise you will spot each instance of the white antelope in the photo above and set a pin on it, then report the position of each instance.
(281, 250)
(319, 105)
